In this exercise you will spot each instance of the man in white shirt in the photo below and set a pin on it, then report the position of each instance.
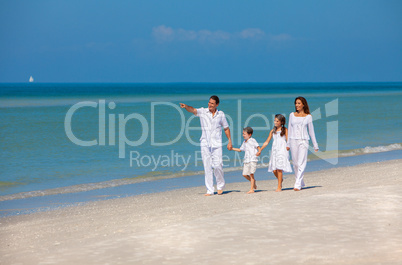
(212, 121)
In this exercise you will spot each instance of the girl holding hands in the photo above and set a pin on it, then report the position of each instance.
(279, 160)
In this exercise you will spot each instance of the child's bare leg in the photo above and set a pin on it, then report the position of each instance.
(252, 182)
(280, 180)
(275, 173)
(247, 177)
(255, 182)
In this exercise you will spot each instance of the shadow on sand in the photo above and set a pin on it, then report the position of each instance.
(255, 191)
(305, 188)
(228, 191)
(225, 192)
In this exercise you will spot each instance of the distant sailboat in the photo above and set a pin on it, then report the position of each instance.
(31, 79)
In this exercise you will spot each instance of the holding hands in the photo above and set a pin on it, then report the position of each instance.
(230, 147)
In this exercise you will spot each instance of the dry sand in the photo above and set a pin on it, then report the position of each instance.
(350, 215)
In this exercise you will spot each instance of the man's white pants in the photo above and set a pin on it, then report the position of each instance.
(299, 150)
(212, 160)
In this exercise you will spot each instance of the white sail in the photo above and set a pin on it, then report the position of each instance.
(31, 79)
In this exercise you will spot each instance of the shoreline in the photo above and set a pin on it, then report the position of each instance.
(156, 175)
(46, 200)
(352, 210)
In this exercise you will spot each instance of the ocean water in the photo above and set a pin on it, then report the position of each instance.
(62, 138)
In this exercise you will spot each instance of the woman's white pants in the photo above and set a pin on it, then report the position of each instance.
(299, 150)
(212, 160)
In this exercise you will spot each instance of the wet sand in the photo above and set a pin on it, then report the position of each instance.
(350, 215)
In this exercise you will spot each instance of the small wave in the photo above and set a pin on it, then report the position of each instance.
(355, 152)
(150, 176)
(370, 149)
(94, 186)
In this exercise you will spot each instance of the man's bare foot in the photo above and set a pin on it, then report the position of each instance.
(207, 194)
(296, 189)
(250, 191)
(278, 190)
(220, 192)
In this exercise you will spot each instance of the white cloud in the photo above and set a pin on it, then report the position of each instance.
(166, 34)
(163, 33)
(206, 35)
(183, 34)
(252, 33)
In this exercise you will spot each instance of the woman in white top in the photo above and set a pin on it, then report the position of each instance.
(299, 139)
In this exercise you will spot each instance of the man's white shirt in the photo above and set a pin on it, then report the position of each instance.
(212, 127)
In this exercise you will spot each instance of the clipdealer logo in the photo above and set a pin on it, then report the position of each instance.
(173, 159)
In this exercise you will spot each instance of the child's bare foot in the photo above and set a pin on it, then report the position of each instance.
(220, 192)
(207, 194)
(296, 189)
(278, 190)
(250, 191)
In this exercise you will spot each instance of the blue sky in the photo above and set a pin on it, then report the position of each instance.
(201, 41)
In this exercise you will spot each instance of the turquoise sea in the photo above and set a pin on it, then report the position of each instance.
(67, 138)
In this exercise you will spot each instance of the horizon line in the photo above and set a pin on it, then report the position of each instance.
(205, 82)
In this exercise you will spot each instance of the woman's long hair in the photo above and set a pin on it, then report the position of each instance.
(304, 102)
(282, 119)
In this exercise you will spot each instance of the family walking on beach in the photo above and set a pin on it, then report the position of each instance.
(294, 138)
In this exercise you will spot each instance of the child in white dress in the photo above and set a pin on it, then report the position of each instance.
(279, 161)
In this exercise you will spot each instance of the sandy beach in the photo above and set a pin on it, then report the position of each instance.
(350, 215)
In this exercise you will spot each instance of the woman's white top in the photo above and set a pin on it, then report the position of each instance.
(279, 155)
(298, 129)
